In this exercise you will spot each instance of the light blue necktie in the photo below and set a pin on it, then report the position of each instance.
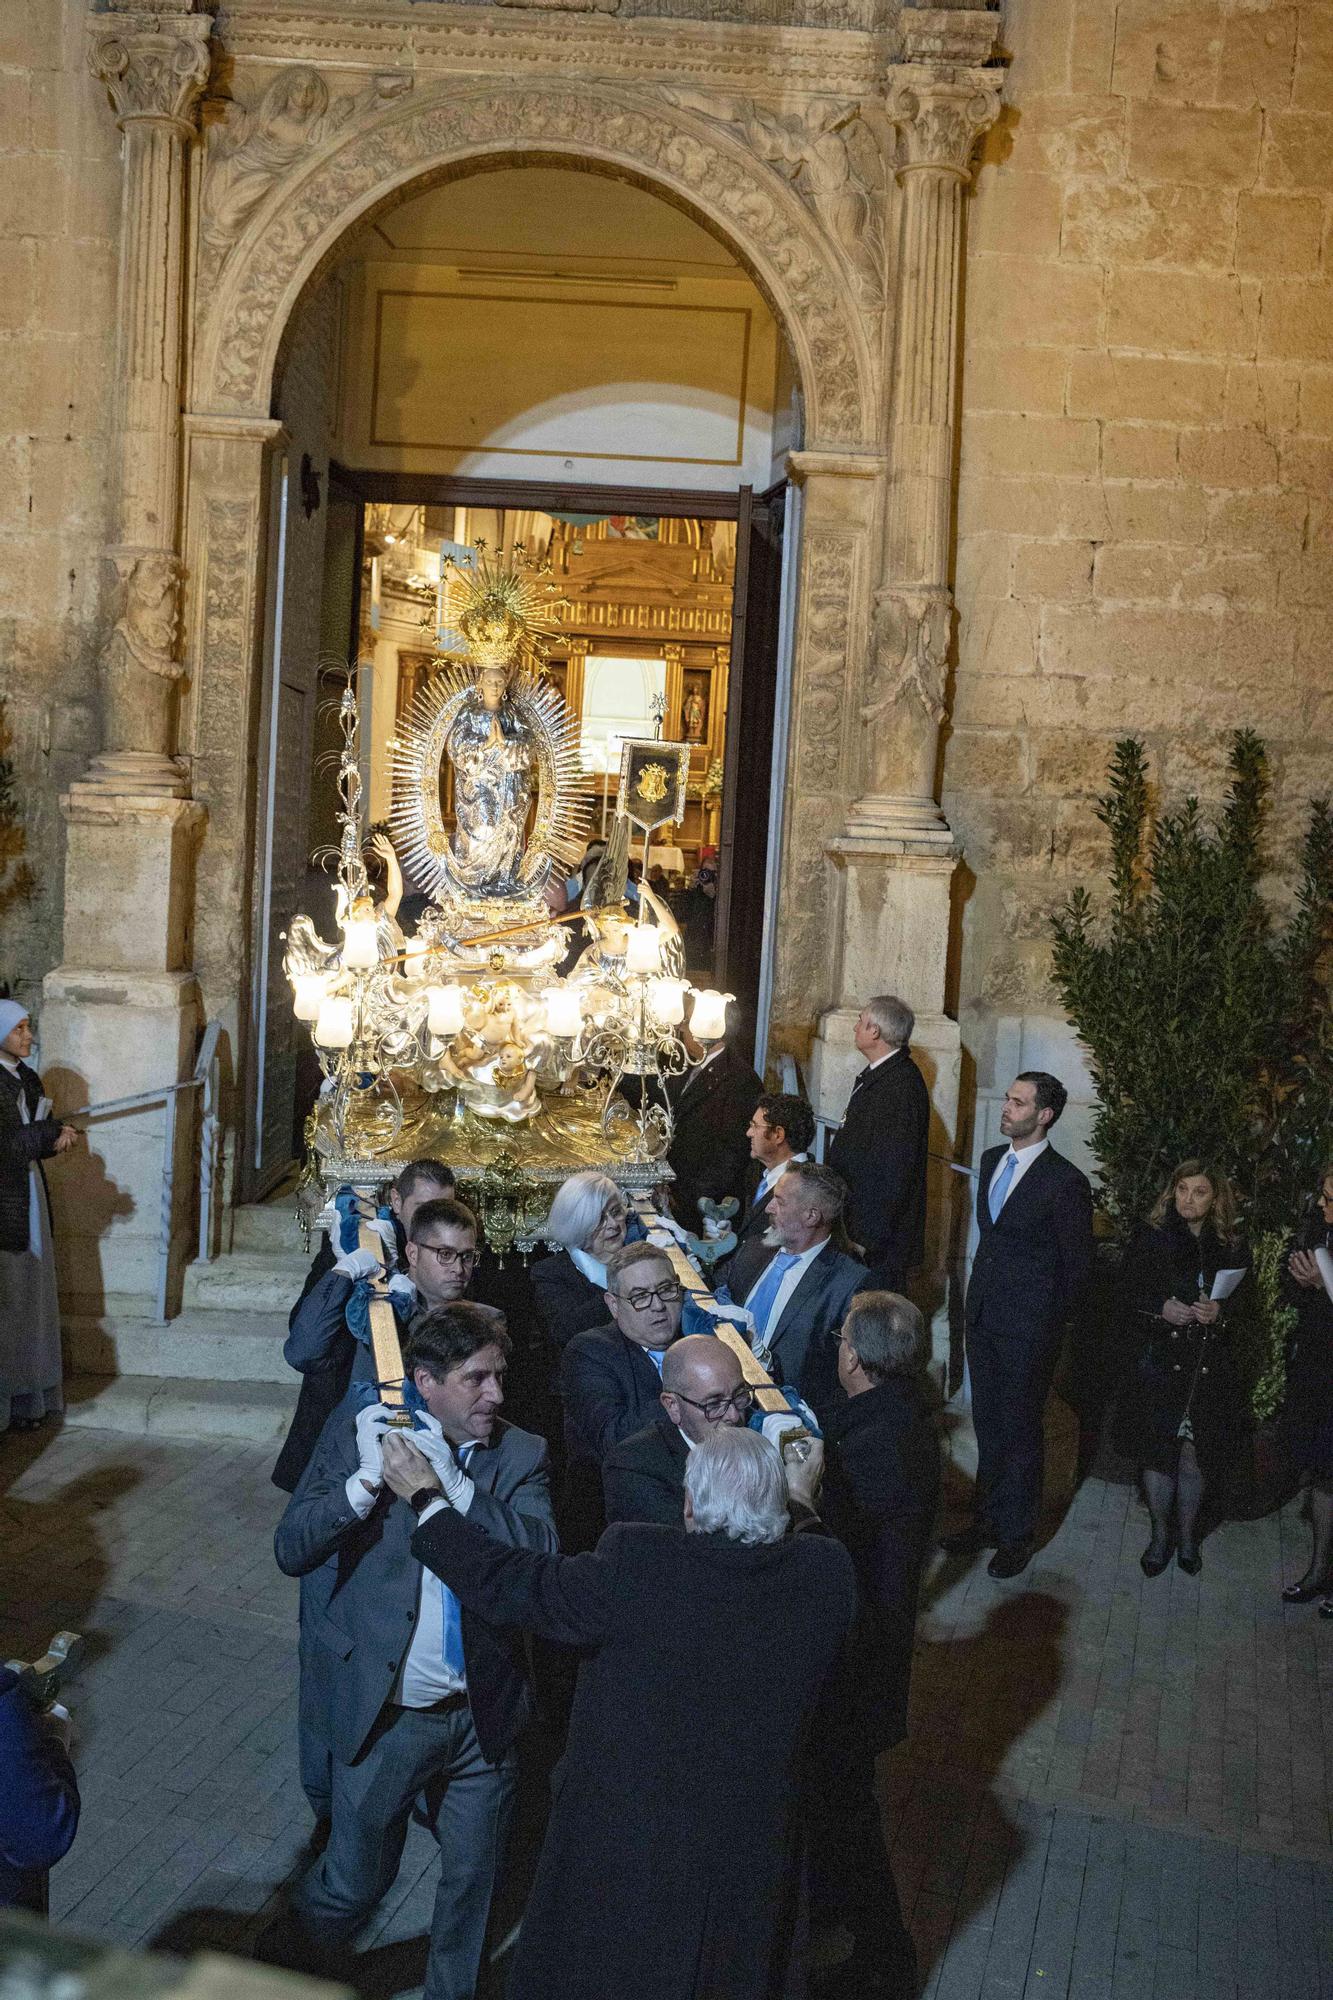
(999, 1186)
(453, 1615)
(764, 1295)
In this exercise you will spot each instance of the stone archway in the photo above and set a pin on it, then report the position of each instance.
(674, 153)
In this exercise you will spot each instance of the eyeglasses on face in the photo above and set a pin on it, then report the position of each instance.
(714, 1408)
(446, 1255)
(665, 1294)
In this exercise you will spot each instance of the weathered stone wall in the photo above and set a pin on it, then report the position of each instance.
(1146, 449)
(59, 195)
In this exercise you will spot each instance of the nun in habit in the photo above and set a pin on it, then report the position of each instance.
(30, 1371)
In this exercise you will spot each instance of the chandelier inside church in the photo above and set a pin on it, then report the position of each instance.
(476, 1038)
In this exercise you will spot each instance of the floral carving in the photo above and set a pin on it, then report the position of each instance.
(153, 65)
(940, 115)
(771, 226)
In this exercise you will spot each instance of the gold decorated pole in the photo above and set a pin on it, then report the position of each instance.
(385, 1345)
(766, 1392)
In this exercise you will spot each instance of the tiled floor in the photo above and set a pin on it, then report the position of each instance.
(1114, 1790)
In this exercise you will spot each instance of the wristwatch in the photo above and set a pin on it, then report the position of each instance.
(422, 1498)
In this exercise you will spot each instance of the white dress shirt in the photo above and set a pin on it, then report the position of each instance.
(423, 1679)
(771, 1176)
(594, 1272)
(1022, 1158)
(791, 1278)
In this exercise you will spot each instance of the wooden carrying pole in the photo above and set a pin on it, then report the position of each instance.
(384, 1342)
(766, 1393)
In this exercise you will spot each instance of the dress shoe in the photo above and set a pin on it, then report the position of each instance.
(1155, 1558)
(1010, 1559)
(1190, 1561)
(968, 1541)
(1326, 1608)
(1305, 1591)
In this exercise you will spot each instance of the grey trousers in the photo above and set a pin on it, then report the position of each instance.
(434, 1751)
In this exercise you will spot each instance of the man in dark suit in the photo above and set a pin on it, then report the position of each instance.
(643, 1477)
(806, 1283)
(881, 1146)
(781, 1130)
(1034, 1211)
(668, 1868)
(881, 1492)
(326, 1366)
(611, 1378)
(425, 1699)
(711, 1105)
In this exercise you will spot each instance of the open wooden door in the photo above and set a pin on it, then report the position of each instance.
(748, 757)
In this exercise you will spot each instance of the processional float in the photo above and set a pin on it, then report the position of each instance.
(465, 1042)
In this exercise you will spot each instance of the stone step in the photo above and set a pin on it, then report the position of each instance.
(200, 1344)
(255, 1281)
(268, 1226)
(148, 1405)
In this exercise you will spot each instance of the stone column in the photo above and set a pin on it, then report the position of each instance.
(939, 112)
(895, 852)
(154, 66)
(121, 1012)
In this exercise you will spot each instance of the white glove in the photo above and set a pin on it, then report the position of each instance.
(388, 1235)
(458, 1488)
(364, 1485)
(715, 1228)
(662, 1239)
(400, 1286)
(778, 1423)
(356, 1264)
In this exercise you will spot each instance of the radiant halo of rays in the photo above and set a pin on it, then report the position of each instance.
(559, 831)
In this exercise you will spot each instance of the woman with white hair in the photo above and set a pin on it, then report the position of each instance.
(588, 1220)
(30, 1371)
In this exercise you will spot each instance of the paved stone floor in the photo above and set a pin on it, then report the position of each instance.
(1115, 1789)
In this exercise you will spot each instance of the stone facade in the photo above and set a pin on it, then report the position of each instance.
(1142, 428)
(1147, 448)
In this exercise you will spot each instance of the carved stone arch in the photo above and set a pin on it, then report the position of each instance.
(675, 154)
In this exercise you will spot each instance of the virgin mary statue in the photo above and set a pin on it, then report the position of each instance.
(493, 754)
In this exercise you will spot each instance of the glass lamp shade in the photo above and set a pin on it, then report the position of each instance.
(360, 948)
(643, 950)
(444, 1010)
(666, 1000)
(308, 993)
(708, 1022)
(564, 1013)
(333, 1024)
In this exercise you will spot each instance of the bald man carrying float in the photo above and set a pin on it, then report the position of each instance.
(703, 1391)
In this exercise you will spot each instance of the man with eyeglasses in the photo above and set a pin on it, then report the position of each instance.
(643, 1477)
(611, 1378)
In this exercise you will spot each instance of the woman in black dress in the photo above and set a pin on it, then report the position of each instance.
(1310, 1392)
(1183, 1403)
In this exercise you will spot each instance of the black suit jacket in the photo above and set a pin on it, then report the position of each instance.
(880, 1497)
(567, 1302)
(366, 1628)
(709, 1150)
(643, 1477)
(880, 1151)
(671, 1857)
(609, 1389)
(1033, 1262)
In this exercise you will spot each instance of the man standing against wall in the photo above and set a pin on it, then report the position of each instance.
(1034, 1211)
(880, 1148)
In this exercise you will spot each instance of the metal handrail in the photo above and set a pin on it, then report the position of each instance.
(205, 1078)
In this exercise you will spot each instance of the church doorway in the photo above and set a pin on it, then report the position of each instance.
(544, 357)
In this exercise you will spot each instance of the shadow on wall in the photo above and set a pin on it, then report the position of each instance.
(82, 1193)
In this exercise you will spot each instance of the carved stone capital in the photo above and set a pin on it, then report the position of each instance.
(939, 113)
(153, 65)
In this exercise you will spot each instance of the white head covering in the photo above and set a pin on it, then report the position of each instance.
(11, 1013)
